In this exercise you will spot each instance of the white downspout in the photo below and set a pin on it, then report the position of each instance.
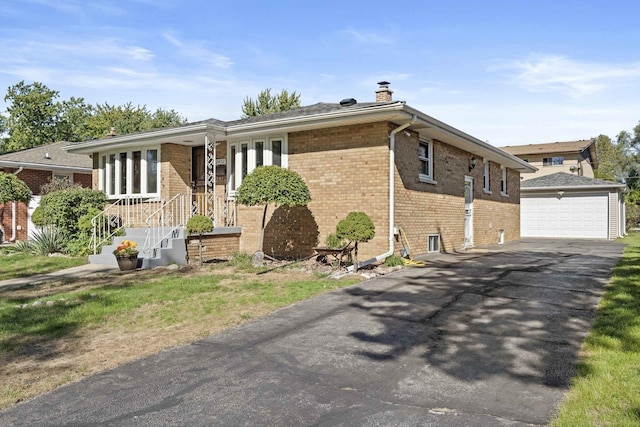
(392, 200)
(14, 223)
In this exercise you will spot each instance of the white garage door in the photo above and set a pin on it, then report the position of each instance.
(574, 215)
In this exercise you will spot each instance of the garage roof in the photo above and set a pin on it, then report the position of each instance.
(567, 181)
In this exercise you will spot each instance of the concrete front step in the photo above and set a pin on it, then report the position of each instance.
(172, 251)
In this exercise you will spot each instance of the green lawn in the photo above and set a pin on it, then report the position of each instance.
(606, 391)
(58, 332)
(24, 265)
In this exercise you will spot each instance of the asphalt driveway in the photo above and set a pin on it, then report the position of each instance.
(485, 338)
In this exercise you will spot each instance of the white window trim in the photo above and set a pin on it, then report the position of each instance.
(104, 180)
(429, 236)
(503, 181)
(553, 165)
(424, 177)
(486, 177)
(251, 157)
(102, 171)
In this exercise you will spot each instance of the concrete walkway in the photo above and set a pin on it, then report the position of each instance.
(85, 270)
(486, 338)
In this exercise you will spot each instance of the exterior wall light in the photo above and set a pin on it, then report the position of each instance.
(473, 163)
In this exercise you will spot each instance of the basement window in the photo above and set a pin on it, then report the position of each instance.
(433, 243)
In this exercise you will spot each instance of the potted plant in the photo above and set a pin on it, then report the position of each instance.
(127, 255)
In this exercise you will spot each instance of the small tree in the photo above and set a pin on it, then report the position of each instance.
(199, 224)
(272, 185)
(12, 189)
(356, 227)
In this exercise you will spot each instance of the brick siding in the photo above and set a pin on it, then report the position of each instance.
(175, 170)
(425, 208)
(346, 169)
(213, 246)
(34, 179)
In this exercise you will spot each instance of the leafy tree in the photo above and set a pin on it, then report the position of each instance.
(164, 119)
(33, 112)
(12, 189)
(73, 118)
(65, 208)
(129, 119)
(199, 224)
(3, 131)
(267, 103)
(612, 159)
(632, 140)
(35, 118)
(272, 185)
(356, 227)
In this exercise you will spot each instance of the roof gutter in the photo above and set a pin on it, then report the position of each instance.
(88, 147)
(392, 199)
(497, 153)
(40, 166)
(575, 187)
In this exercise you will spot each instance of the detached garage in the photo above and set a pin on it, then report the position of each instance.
(571, 206)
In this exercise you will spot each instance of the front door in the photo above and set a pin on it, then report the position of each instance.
(468, 212)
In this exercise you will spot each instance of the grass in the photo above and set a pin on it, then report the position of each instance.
(23, 265)
(59, 332)
(606, 391)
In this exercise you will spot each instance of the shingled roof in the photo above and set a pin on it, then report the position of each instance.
(563, 180)
(47, 157)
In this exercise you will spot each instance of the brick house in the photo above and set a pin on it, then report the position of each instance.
(36, 167)
(575, 157)
(425, 184)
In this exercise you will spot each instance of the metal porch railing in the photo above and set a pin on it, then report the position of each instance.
(125, 212)
(165, 222)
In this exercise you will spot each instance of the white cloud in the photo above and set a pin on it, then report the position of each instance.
(194, 49)
(369, 37)
(552, 73)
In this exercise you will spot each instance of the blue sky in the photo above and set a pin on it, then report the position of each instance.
(509, 72)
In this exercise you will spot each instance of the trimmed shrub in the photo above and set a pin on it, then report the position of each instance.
(199, 224)
(356, 227)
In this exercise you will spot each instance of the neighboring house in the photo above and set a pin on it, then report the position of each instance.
(38, 166)
(566, 205)
(445, 189)
(575, 157)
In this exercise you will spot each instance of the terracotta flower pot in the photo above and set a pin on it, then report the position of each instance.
(127, 262)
